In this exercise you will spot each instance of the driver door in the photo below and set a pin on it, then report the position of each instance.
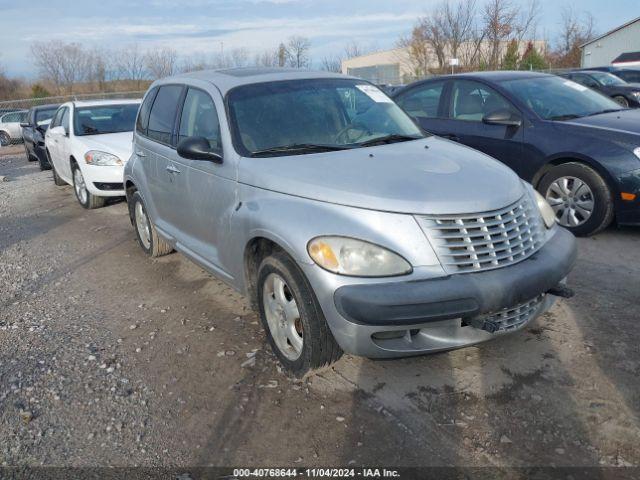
(469, 102)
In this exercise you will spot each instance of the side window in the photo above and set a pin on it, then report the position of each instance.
(585, 80)
(64, 121)
(200, 119)
(56, 118)
(142, 123)
(163, 114)
(423, 101)
(471, 101)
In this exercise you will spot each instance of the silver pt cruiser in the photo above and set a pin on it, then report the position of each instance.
(348, 227)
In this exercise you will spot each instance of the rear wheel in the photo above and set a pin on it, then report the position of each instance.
(5, 139)
(56, 178)
(146, 233)
(291, 316)
(84, 196)
(580, 198)
(621, 100)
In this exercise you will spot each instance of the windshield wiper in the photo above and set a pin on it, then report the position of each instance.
(393, 138)
(301, 148)
(568, 116)
(609, 110)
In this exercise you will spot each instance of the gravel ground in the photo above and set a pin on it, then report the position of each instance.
(110, 358)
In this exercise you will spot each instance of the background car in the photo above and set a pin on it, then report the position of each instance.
(629, 75)
(580, 149)
(88, 143)
(33, 132)
(624, 93)
(10, 129)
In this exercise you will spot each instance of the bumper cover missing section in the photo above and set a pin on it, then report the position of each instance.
(459, 296)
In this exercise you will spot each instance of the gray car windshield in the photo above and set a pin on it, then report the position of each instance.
(105, 119)
(309, 116)
(555, 98)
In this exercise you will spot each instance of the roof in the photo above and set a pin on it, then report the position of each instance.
(493, 76)
(227, 79)
(627, 57)
(98, 103)
(625, 25)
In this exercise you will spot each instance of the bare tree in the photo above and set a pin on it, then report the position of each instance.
(161, 62)
(331, 64)
(457, 22)
(298, 51)
(63, 64)
(354, 49)
(99, 68)
(268, 58)
(130, 63)
(499, 20)
(575, 30)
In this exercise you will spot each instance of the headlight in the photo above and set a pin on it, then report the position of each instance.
(636, 94)
(636, 152)
(356, 258)
(548, 215)
(95, 157)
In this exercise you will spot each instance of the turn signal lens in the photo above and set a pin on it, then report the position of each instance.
(356, 258)
(629, 197)
(548, 215)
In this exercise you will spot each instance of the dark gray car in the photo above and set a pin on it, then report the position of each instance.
(347, 227)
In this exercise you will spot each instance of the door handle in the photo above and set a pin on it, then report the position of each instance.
(140, 153)
(172, 169)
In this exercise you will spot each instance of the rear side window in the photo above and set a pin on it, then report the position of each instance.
(163, 113)
(143, 116)
(200, 119)
(422, 102)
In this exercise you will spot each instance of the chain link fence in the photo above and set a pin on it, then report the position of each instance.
(13, 112)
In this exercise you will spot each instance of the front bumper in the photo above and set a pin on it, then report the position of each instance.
(413, 317)
(104, 181)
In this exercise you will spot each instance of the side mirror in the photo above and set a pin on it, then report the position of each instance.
(502, 117)
(25, 124)
(59, 130)
(198, 148)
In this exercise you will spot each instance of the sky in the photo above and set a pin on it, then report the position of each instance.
(204, 27)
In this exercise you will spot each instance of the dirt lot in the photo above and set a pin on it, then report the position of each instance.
(110, 358)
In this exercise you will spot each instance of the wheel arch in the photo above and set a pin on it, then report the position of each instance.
(564, 158)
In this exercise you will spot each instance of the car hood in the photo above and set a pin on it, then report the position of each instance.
(118, 144)
(623, 122)
(430, 176)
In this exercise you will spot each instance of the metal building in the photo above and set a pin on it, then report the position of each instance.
(607, 48)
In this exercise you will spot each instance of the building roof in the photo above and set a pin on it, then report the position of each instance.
(610, 32)
(627, 57)
(227, 79)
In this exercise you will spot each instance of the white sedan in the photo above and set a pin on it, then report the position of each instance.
(88, 144)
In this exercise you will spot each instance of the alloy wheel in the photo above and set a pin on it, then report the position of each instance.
(80, 186)
(143, 226)
(283, 316)
(572, 200)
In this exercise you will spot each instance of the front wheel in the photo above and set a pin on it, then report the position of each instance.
(621, 100)
(84, 196)
(580, 198)
(146, 233)
(292, 318)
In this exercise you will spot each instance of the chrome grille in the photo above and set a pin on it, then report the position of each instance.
(514, 317)
(484, 241)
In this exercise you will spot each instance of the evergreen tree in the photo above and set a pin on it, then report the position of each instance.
(511, 57)
(532, 59)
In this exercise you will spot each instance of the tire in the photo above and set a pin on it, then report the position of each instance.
(5, 139)
(30, 157)
(85, 198)
(148, 239)
(598, 194)
(318, 347)
(621, 100)
(43, 165)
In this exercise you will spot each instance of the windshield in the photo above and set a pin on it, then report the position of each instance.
(607, 79)
(303, 116)
(555, 98)
(105, 119)
(44, 116)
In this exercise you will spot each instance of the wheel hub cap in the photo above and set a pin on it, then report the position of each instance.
(572, 200)
(142, 225)
(283, 316)
(80, 187)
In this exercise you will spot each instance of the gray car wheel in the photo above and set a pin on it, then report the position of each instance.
(147, 235)
(292, 318)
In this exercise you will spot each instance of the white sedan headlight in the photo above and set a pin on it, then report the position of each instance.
(96, 157)
(548, 215)
(636, 152)
(356, 258)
